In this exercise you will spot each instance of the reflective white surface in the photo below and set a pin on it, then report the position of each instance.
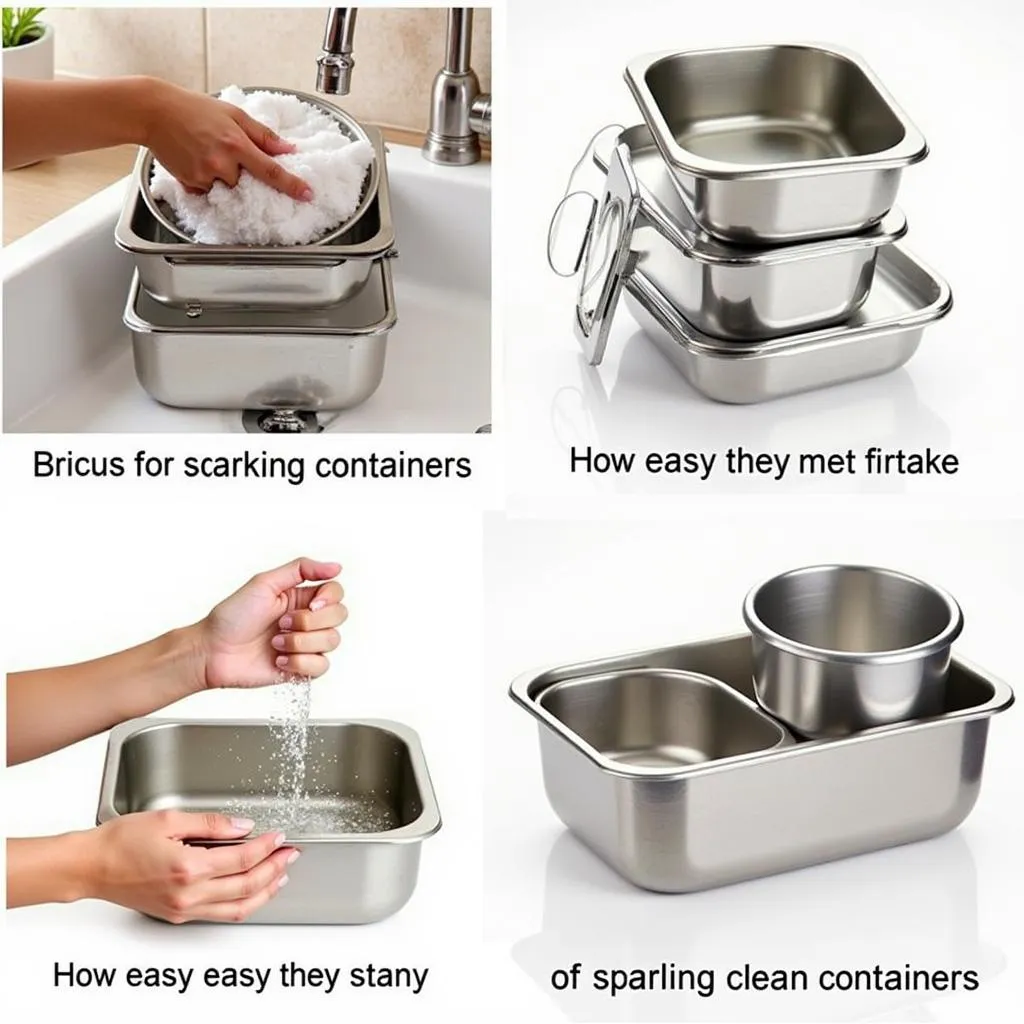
(67, 355)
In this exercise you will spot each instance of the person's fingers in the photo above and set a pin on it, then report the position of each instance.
(311, 665)
(236, 859)
(300, 570)
(241, 886)
(319, 642)
(326, 616)
(316, 598)
(270, 172)
(267, 139)
(192, 191)
(236, 911)
(183, 825)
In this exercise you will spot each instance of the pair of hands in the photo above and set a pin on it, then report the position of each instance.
(273, 627)
(202, 140)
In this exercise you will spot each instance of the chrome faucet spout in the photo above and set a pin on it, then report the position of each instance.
(459, 112)
(335, 64)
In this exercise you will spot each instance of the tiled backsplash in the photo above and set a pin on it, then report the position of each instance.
(397, 51)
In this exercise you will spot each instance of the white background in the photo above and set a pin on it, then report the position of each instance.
(89, 580)
(562, 592)
(953, 67)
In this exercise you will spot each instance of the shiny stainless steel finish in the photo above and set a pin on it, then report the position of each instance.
(651, 721)
(459, 112)
(719, 822)
(335, 63)
(781, 143)
(180, 273)
(742, 293)
(882, 335)
(840, 648)
(348, 125)
(312, 360)
(205, 765)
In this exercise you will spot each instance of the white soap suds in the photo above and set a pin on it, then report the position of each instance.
(252, 213)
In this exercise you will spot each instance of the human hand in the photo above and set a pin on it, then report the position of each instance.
(274, 626)
(201, 140)
(141, 861)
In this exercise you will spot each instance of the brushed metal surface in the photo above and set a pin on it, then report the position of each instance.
(203, 765)
(661, 720)
(181, 273)
(744, 293)
(776, 143)
(349, 127)
(881, 336)
(312, 360)
(840, 648)
(720, 822)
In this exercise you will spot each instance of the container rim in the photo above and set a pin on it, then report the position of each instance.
(910, 149)
(940, 641)
(688, 336)
(426, 824)
(138, 325)
(523, 692)
(783, 736)
(695, 243)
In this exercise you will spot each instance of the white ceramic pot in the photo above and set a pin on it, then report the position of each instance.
(31, 60)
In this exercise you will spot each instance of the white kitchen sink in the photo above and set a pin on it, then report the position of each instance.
(68, 363)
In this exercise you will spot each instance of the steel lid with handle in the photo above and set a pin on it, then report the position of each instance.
(601, 252)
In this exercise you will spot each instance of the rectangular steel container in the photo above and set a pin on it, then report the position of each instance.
(207, 765)
(322, 359)
(180, 273)
(719, 822)
(743, 293)
(881, 336)
(776, 143)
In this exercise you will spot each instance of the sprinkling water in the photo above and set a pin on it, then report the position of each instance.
(301, 801)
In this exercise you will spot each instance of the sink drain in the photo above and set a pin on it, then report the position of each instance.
(280, 421)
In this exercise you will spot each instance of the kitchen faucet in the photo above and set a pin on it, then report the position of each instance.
(459, 112)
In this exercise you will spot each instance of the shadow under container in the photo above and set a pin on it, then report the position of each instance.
(705, 823)
(776, 143)
(209, 765)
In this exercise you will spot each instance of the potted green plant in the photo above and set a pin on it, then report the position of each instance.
(28, 44)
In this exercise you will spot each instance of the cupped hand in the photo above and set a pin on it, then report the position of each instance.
(202, 140)
(142, 861)
(274, 626)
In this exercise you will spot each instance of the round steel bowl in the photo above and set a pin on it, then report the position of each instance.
(841, 648)
(349, 125)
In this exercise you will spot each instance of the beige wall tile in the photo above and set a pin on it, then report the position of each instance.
(104, 41)
(397, 53)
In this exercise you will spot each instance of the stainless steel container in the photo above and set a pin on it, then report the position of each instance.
(313, 359)
(650, 721)
(881, 336)
(210, 765)
(741, 293)
(840, 648)
(718, 822)
(349, 127)
(778, 143)
(181, 273)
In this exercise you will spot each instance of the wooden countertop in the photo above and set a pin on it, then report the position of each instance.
(33, 195)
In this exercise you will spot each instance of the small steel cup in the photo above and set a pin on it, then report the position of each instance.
(841, 648)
